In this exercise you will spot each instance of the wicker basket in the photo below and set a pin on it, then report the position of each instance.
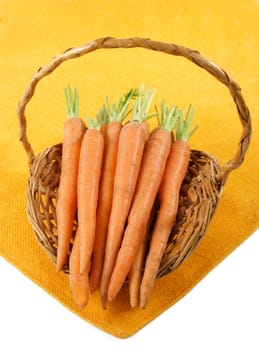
(200, 191)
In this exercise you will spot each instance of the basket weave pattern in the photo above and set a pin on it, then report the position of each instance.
(203, 183)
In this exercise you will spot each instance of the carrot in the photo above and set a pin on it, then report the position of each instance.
(131, 145)
(114, 115)
(103, 119)
(136, 270)
(89, 172)
(150, 177)
(79, 283)
(74, 129)
(174, 174)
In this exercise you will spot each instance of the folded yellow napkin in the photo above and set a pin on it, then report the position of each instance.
(31, 34)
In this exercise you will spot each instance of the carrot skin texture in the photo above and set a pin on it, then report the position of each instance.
(103, 129)
(150, 177)
(89, 172)
(136, 270)
(174, 174)
(111, 140)
(74, 129)
(130, 152)
(79, 283)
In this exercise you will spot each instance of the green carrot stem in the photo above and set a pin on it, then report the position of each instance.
(92, 123)
(168, 117)
(72, 101)
(183, 125)
(119, 112)
(142, 105)
(102, 116)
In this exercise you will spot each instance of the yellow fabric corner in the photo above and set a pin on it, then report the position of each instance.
(31, 33)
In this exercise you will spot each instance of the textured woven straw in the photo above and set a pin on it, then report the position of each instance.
(203, 183)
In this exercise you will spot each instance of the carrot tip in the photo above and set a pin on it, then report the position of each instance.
(144, 298)
(93, 288)
(82, 270)
(81, 306)
(59, 267)
(143, 304)
(94, 284)
(80, 296)
(133, 302)
(111, 297)
(104, 302)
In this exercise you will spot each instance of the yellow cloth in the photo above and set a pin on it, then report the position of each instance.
(31, 33)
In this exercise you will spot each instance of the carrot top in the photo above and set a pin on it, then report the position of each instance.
(102, 116)
(183, 125)
(92, 123)
(119, 112)
(72, 101)
(142, 105)
(168, 117)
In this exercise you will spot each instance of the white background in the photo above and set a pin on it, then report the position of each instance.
(221, 312)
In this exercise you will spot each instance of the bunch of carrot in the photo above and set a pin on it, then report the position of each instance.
(115, 176)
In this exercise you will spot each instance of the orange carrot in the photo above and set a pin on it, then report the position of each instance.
(136, 270)
(150, 177)
(114, 117)
(174, 174)
(89, 172)
(103, 128)
(103, 119)
(130, 151)
(79, 283)
(74, 130)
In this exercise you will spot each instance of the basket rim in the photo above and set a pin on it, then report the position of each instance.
(136, 42)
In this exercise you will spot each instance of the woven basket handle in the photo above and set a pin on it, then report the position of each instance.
(172, 49)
